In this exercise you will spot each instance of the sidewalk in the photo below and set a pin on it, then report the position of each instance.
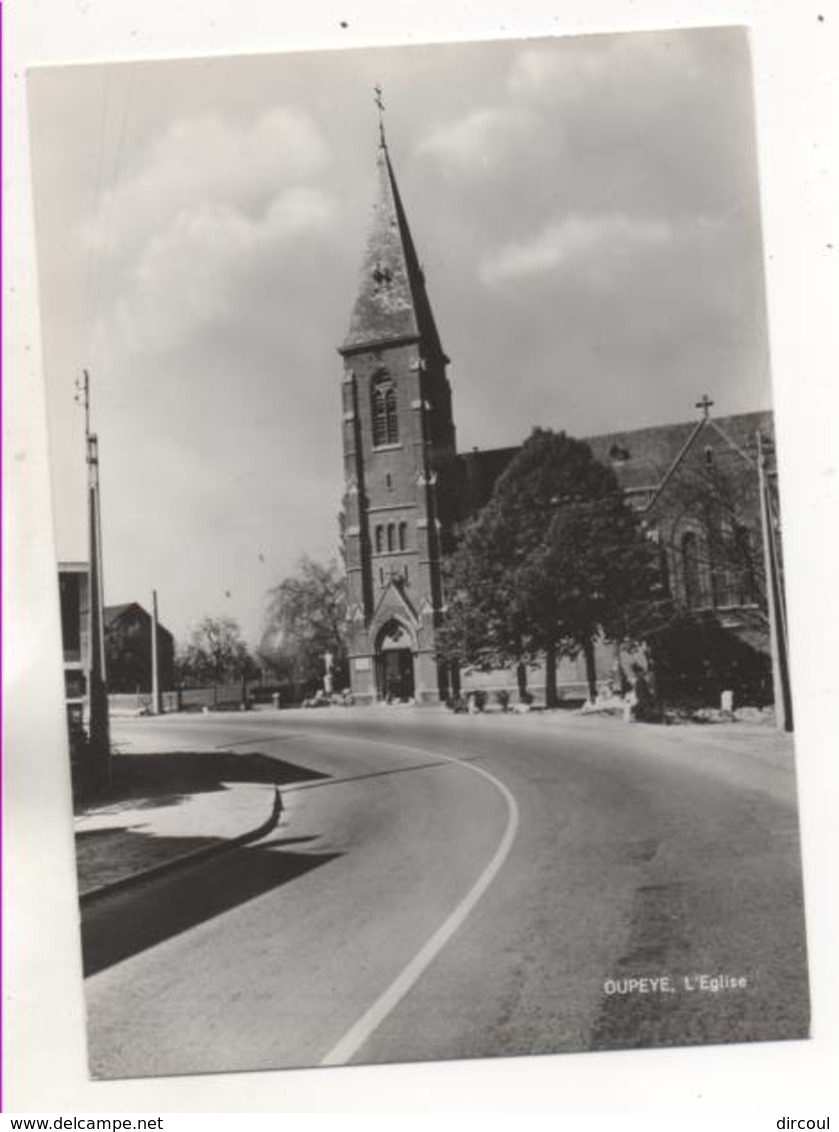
(729, 747)
(167, 805)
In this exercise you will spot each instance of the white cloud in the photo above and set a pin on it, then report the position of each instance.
(536, 69)
(200, 161)
(592, 246)
(198, 211)
(188, 275)
(476, 138)
(575, 69)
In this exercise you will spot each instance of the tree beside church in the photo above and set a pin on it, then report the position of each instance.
(548, 566)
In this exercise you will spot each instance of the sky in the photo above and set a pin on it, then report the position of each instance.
(586, 210)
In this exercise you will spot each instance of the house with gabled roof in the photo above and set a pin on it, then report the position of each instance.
(128, 651)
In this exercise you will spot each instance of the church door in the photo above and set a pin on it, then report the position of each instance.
(397, 675)
(395, 665)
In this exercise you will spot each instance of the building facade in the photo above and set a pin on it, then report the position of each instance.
(695, 485)
(127, 632)
(74, 605)
(128, 650)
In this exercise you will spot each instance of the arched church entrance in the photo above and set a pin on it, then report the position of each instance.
(395, 663)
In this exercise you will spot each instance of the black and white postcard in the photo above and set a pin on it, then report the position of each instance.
(419, 539)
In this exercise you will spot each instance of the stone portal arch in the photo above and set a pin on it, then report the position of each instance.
(394, 657)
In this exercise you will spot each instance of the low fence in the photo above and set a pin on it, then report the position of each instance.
(229, 696)
(185, 699)
(223, 696)
(138, 703)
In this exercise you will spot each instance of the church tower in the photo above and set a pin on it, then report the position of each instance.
(399, 465)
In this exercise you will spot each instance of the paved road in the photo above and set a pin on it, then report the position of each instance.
(457, 887)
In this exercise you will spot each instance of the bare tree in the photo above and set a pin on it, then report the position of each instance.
(304, 621)
(215, 653)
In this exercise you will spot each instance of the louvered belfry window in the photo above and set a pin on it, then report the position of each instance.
(383, 398)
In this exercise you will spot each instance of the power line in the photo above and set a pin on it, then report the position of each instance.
(107, 218)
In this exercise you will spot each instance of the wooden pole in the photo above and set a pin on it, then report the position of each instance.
(775, 601)
(98, 756)
(156, 698)
(98, 723)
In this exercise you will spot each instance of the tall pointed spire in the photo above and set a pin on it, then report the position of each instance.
(399, 461)
(391, 304)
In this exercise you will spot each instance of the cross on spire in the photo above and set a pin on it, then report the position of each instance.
(381, 106)
(705, 405)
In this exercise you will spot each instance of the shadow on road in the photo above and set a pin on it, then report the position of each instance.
(166, 779)
(107, 855)
(338, 781)
(132, 921)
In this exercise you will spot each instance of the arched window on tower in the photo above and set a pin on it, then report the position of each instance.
(379, 540)
(383, 410)
(403, 536)
(690, 570)
(391, 537)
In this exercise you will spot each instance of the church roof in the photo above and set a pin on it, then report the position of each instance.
(392, 303)
(643, 459)
(477, 472)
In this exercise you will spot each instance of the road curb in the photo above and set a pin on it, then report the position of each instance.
(186, 859)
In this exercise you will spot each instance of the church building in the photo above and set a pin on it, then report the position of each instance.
(694, 483)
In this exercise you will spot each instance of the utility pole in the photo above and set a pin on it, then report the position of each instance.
(156, 697)
(775, 598)
(99, 742)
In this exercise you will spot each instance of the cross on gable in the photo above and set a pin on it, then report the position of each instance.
(705, 405)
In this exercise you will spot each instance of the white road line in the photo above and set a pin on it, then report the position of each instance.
(372, 1018)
